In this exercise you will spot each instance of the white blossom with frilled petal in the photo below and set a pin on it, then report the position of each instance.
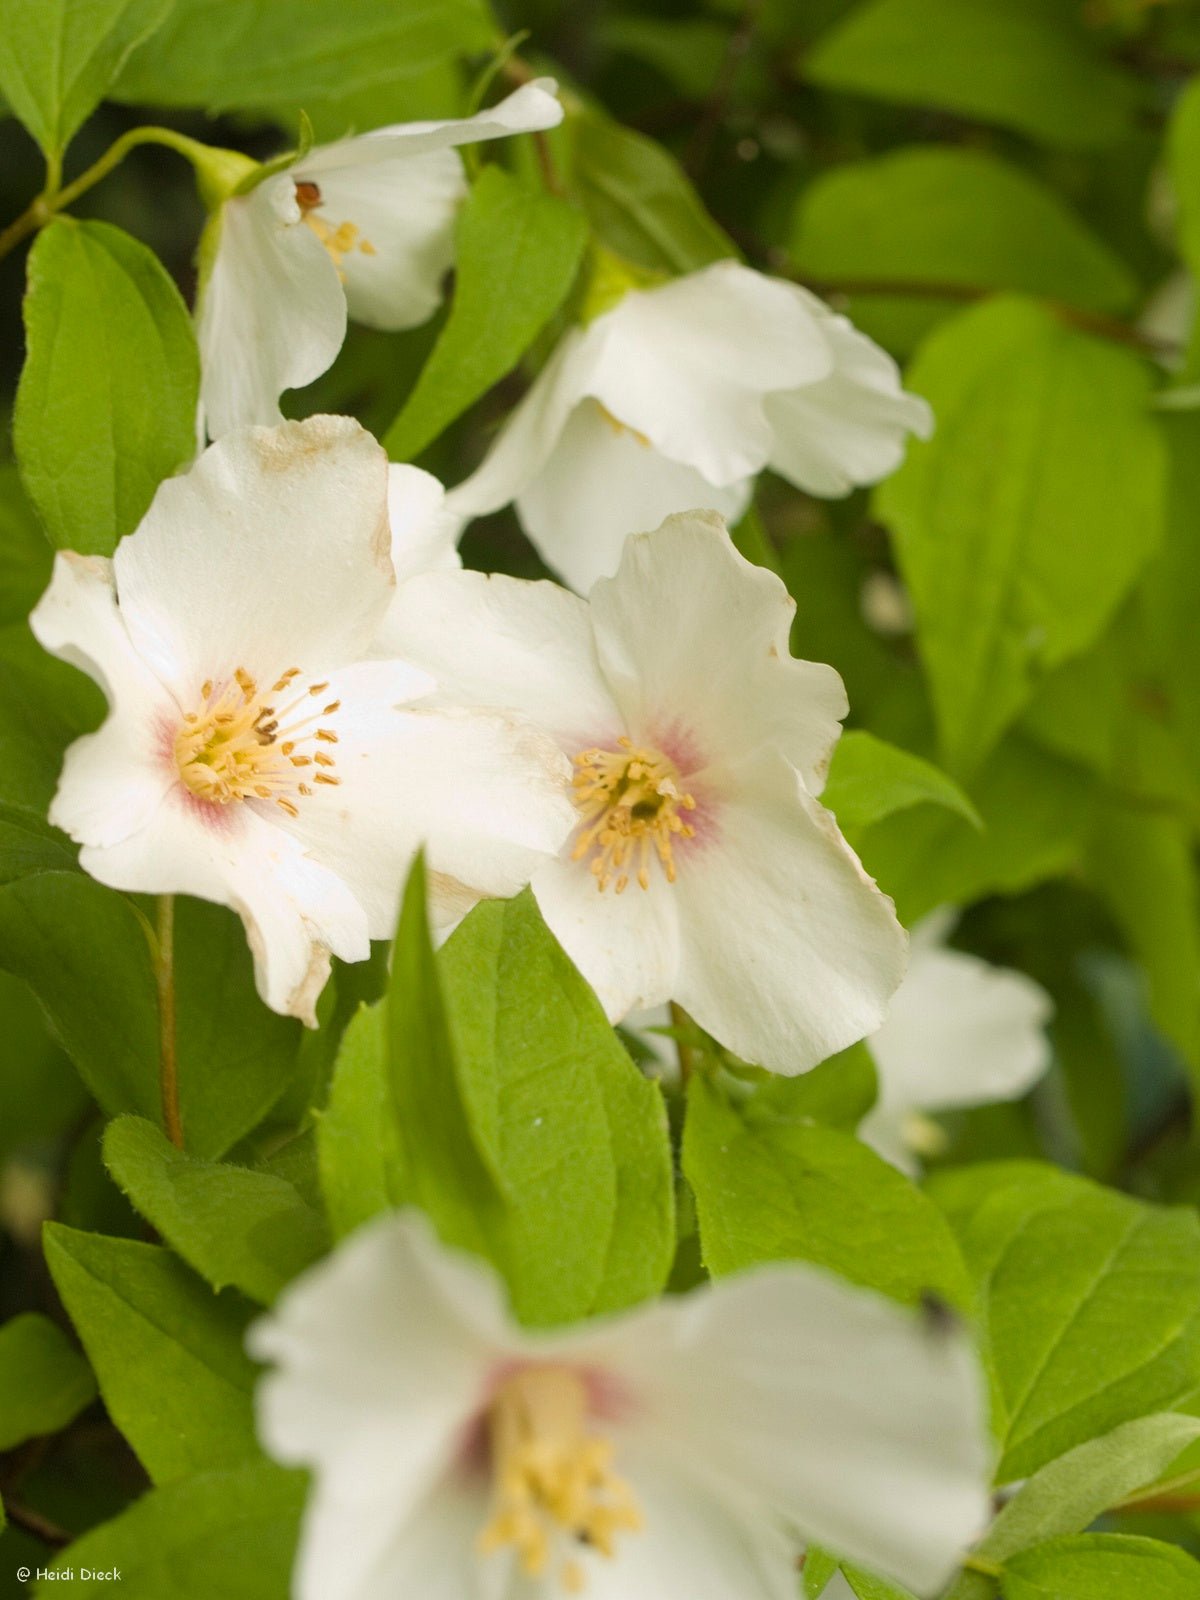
(959, 1032)
(703, 868)
(677, 397)
(687, 1448)
(363, 227)
(252, 754)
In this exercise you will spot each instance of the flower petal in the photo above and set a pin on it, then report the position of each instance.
(402, 210)
(113, 780)
(789, 951)
(960, 1032)
(526, 440)
(688, 363)
(601, 483)
(484, 794)
(381, 1354)
(424, 531)
(296, 912)
(509, 644)
(272, 314)
(693, 639)
(849, 1416)
(695, 1542)
(851, 427)
(626, 945)
(527, 110)
(78, 620)
(354, 1547)
(272, 551)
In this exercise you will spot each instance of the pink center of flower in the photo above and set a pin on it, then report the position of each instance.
(633, 807)
(552, 1478)
(236, 746)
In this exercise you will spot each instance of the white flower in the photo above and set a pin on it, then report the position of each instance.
(702, 869)
(252, 754)
(364, 226)
(676, 398)
(681, 1451)
(959, 1032)
(424, 530)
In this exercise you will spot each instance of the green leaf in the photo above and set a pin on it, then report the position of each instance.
(1183, 156)
(639, 200)
(819, 1567)
(1022, 524)
(229, 1533)
(870, 779)
(1037, 812)
(1119, 708)
(44, 1381)
(57, 58)
(1143, 866)
(236, 1228)
(448, 1174)
(83, 950)
(236, 1057)
(575, 1134)
(224, 54)
(1027, 64)
(518, 250)
(28, 847)
(868, 1587)
(690, 52)
(1067, 1495)
(1102, 1566)
(166, 1351)
(779, 1191)
(1090, 1303)
(25, 557)
(41, 1096)
(838, 1093)
(1171, 581)
(525, 1130)
(940, 215)
(358, 1139)
(46, 705)
(106, 406)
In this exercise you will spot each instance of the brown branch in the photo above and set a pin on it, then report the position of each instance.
(687, 1056)
(1164, 1504)
(516, 71)
(1088, 321)
(33, 1522)
(721, 93)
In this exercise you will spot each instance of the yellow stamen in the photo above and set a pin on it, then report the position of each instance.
(341, 239)
(620, 427)
(553, 1479)
(631, 803)
(228, 749)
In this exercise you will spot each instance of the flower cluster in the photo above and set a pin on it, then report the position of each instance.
(306, 689)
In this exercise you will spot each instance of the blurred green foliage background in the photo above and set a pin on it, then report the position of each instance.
(920, 163)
